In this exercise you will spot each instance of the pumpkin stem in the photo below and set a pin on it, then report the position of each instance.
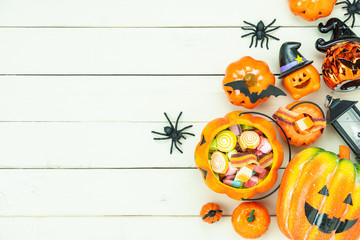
(252, 216)
(344, 152)
(250, 79)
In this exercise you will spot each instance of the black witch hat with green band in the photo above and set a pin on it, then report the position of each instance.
(340, 33)
(290, 59)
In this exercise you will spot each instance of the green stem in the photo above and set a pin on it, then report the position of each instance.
(252, 216)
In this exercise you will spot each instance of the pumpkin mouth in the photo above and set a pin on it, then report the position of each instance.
(303, 84)
(326, 224)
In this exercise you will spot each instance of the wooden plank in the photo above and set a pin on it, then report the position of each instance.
(129, 51)
(125, 228)
(144, 13)
(145, 192)
(126, 98)
(107, 145)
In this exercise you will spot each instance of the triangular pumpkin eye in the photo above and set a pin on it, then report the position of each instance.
(348, 200)
(324, 191)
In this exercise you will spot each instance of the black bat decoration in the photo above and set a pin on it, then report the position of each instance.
(271, 90)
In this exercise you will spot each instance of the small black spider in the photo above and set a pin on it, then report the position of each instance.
(260, 32)
(351, 8)
(173, 133)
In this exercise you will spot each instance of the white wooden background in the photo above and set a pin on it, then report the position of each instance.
(82, 84)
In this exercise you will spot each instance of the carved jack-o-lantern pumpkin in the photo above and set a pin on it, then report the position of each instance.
(302, 82)
(300, 77)
(341, 67)
(319, 196)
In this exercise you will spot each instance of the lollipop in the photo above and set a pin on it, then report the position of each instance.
(226, 141)
(219, 162)
(249, 139)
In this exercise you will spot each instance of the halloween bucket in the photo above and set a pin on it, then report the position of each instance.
(238, 155)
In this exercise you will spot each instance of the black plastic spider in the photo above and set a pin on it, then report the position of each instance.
(260, 32)
(173, 133)
(352, 9)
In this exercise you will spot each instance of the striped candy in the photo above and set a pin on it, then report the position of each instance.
(225, 141)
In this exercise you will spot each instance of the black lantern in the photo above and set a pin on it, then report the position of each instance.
(344, 116)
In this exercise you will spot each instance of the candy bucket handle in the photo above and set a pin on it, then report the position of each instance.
(288, 143)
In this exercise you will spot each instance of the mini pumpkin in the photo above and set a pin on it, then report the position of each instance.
(311, 10)
(248, 82)
(250, 219)
(211, 212)
(341, 66)
(301, 111)
(209, 133)
(319, 196)
(300, 77)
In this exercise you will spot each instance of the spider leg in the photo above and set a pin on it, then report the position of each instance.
(162, 138)
(353, 21)
(262, 41)
(177, 121)
(267, 42)
(256, 41)
(177, 147)
(179, 142)
(162, 134)
(183, 137)
(272, 29)
(185, 128)
(172, 126)
(342, 2)
(171, 148)
(247, 35)
(250, 29)
(250, 24)
(252, 40)
(191, 134)
(347, 18)
(268, 35)
(270, 24)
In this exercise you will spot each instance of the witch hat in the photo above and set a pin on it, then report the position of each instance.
(290, 59)
(340, 33)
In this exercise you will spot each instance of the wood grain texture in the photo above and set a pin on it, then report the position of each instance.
(159, 13)
(125, 228)
(110, 192)
(129, 50)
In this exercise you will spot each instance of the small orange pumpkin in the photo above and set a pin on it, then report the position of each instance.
(319, 196)
(302, 82)
(250, 219)
(311, 10)
(255, 73)
(209, 133)
(211, 212)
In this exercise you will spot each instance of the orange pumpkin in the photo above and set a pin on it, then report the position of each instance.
(341, 70)
(319, 196)
(302, 82)
(209, 133)
(295, 136)
(311, 10)
(255, 73)
(250, 219)
(211, 212)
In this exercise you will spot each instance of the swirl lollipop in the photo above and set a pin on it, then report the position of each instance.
(249, 139)
(226, 141)
(219, 162)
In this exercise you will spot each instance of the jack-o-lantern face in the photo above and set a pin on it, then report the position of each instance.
(322, 220)
(302, 82)
(319, 196)
(341, 67)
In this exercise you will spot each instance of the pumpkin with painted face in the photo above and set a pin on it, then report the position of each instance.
(300, 77)
(319, 196)
(341, 67)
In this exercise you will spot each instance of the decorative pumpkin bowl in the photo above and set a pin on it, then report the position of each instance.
(212, 130)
